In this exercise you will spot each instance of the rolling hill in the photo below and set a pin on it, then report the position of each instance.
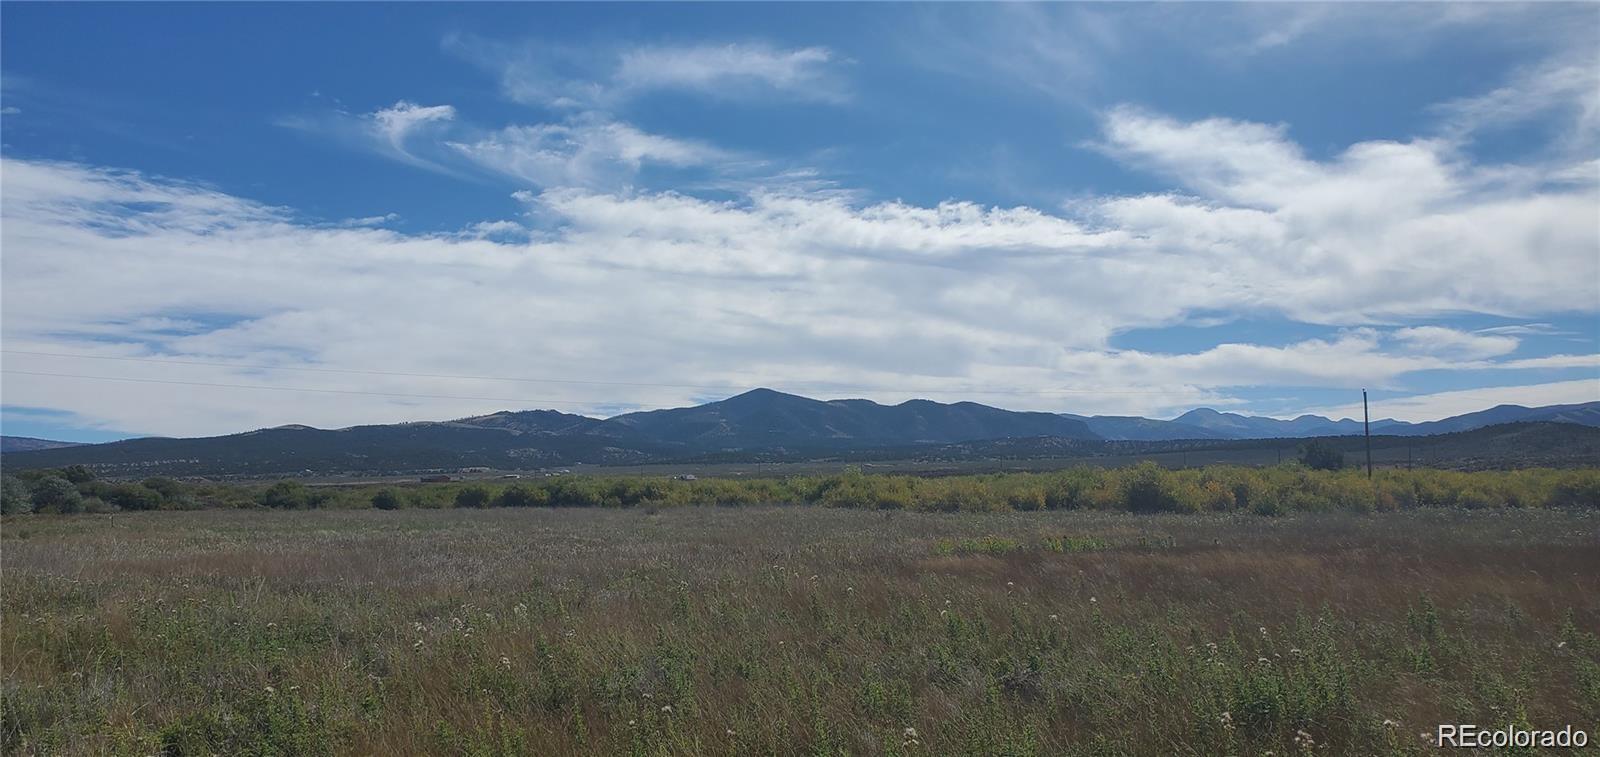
(758, 425)
(761, 419)
(28, 443)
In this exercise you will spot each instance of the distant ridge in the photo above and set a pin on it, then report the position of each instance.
(28, 443)
(759, 424)
(1235, 426)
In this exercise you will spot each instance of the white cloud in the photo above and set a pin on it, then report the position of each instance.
(730, 70)
(1383, 231)
(1566, 83)
(1524, 329)
(1437, 340)
(601, 77)
(582, 150)
(811, 291)
(1060, 50)
(1551, 362)
(581, 154)
(397, 123)
(1432, 407)
(502, 230)
(370, 220)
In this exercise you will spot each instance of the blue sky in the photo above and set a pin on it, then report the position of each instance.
(223, 217)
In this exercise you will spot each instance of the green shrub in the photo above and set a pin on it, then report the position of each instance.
(1145, 490)
(1321, 455)
(15, 497)
(166, 487)
(56, 495)
(386, 499)
(286, 495)
(472, 496)
(134, 497)
(1145, 487)
(1577, 489)
(518, 495)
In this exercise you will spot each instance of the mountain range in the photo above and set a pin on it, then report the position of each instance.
(761, 422)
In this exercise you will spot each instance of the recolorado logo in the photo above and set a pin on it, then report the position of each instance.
(1473, 737)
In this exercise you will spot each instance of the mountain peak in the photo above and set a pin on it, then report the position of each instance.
(763, 394)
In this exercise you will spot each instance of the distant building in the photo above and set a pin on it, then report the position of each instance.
(685, 477)
(475, 469)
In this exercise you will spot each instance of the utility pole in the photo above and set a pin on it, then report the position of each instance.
(1366, 423)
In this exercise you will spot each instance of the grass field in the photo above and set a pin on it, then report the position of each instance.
(791, 631)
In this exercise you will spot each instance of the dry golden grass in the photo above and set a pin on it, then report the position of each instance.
(791, 631)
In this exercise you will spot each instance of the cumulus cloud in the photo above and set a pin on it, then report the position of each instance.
(813, 292)
(1384, 230)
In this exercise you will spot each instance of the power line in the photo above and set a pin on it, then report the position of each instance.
(704, 387)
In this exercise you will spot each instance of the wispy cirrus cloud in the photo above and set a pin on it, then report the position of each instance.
(606, 77)
(1566, 86)
(1526, 329)
(1438, 340)
(581, 150)
(583, 142)
(397, 123)
(732, 70)
(582, 154)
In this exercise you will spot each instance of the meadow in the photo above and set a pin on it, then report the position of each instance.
(791, 630)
